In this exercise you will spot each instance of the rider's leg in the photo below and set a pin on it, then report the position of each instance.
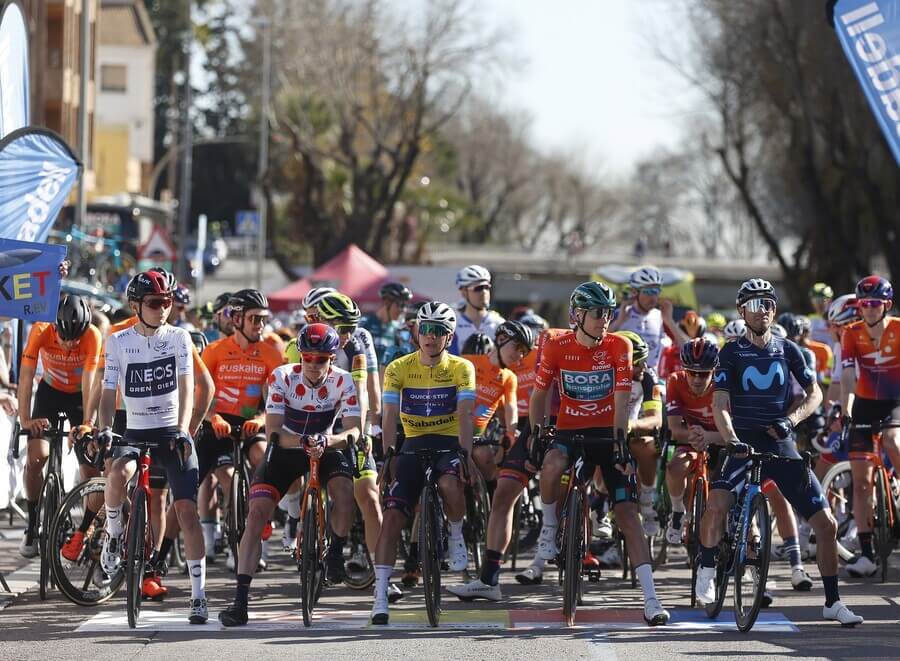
(37, 454)
(676, 482)
(786, 521)
(485, 459)
(117, 475)
(365, 490)
(712, 525)
(863, 507)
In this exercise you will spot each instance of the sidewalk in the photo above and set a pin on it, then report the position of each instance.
(20, 573)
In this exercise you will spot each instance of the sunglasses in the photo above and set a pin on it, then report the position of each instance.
(481, 288)
(698, 374)
(433, 329)
(871, 303)
(258, 319)
(315, 358)
(345, 329)
(650, 291)
(598, 313)
(157, 303)
(759, 304)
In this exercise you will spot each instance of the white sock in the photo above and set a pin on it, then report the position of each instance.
(456, 529)
(677, 503)
(644, 574)
(291, 504)
(538, 563)
(197, 572)
(114, 521)
(551, 518)
(382, 580)
(264, 553)
(647, 493)
(209, 535)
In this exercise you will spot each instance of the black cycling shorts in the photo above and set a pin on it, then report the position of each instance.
(50, 402)
(870, 412)
(513, 465)
(599, 450)
(280, 467)
(183, 480)
(158, 478)
(409, 476)
(212, 452)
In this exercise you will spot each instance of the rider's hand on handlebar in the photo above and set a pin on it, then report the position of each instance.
(251, 427)
(738, 450)
(36, 427)
(697, 438)
(75, 433)
(315, 445)
(220, 426)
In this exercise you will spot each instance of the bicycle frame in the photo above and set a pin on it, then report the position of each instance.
(875, 457)
(313, 487)
(142, 482)
(696, 471)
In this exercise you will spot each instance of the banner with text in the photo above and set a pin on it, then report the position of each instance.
(14, 112)
(29, 279)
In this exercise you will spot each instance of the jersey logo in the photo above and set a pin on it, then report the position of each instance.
(587, 386)
(429, 402)
(150, 379)
(762, 381)
(879, 358)
(721, 377)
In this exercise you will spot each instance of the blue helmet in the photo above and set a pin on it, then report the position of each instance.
(700, 354)
(318, 338)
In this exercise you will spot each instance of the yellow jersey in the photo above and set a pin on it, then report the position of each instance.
(428, 395)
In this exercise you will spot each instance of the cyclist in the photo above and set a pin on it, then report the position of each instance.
(842, 312)
(152, 363)
(221, 322)
(69, 351)
(734, 330)
(716, 322)
(182, 300)
(870, 394)
(753, 406)
(593, 370)
(644, 423)
(433, 394)
(820, 297)
(474, 284)
(406, 340)
(388, 319)
(693, 326)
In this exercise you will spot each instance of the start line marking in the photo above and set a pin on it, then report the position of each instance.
(683, 620)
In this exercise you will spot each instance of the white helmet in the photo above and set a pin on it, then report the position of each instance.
(297, 319)
(646, 276)
(314, 295)
(778, 331)
(472, 275)
(734, 329)
(435, 312)
(843, 310)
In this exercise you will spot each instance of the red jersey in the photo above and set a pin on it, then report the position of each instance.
(493, 384)
(587, 378)
(681, 401)
(670, 361)
(525, 372)
(878, 374)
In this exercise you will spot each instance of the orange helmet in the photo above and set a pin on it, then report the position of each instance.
(692, 324)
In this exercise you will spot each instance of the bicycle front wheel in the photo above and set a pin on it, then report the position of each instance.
(573, 554)
(698, 506)
(430, 521)
(310, 561)
(479, 509)
(883, 539)
(136, 534)
(752, 567)
(837, 485)
(49, 503)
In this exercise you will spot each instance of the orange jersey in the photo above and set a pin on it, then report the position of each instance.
(525, 371)
(824, 360)
(878, 368)
(62, 367)
(546, 336)
(493, 384)
(115, 328)
(240, 375)
(681, 401)
(587, 378)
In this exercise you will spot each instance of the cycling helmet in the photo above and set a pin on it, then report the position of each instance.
(395, 291)
(478, 344)
(734, 329)
(785, 319)
(337, 307)
(590, 295)
(171, 280)
(221, 301)
(318, 338)
(148, 283)
(515, 331)
(779, 331)
(412, 312)
(314, 295)
(472, 275)
(843, 310)
(755, 288)
(646, 276)
(874, 286)
(297, 320)
(640, 350)
(692, 324)
(435, 312)
(797, 326)
(73, 316)
(182, 295)
(699, 354)
(716, 320)
(534, 321)
(199, 339)
(248, 299)
(821, 290)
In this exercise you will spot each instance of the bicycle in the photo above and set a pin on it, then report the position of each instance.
(359, 580)
(478, 509)
(838, 488)
(697, 494)
(239, 496)
(52, 493)
(745, 548)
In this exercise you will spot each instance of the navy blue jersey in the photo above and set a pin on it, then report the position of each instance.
(758, 380)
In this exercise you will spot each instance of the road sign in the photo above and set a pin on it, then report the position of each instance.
(157, 250)
(247, 223)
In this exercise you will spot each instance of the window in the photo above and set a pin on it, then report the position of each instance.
(112, 77)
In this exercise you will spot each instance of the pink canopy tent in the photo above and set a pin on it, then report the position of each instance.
(351, 271)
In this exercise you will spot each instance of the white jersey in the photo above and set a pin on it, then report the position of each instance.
(147, 370)
(308, 410)
(368, 344)
(465, 328)
(650, 327)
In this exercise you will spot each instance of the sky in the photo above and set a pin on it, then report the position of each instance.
(592, 82)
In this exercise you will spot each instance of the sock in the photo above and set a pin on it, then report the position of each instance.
(197, 572)
(242, 594)
(456, 529)
(551, 518)
(337, 546)
(88, 519)
(792, 548)
(114, 520)
(32, 516)
(865, 545)
(538, 563)
(166, 547)
(413, 557)
(707, 556)
(644, 575)
(209, 535)
(382, 580)
(291, 504)
(677, 503)
(490, 568)
(647, 493)
(831, 590)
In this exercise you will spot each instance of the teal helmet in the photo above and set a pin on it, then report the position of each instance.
(590, 295)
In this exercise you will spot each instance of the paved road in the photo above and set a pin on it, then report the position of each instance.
(527, 624)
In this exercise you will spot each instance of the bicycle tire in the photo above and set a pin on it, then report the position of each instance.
(309, 557)
(745, 614)
(47, 503)
(430, 553)
(698, 506)
(572, 553)
(513, 548)
(882, 528)
(478, 511)
(136, 536)
(90, 593)
(236, 514)
(844, 494)
(723, 566)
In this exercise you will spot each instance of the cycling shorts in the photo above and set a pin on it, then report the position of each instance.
(50, 402)
(183, 480)
(212, 452)
(599, 450)
(281, 467)
(869, 412)
(365, 463)
(409, 476)
(513, 465)
(158, 479)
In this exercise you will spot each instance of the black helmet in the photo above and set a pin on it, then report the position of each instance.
(755, 288)
(154, 281)
(517, 332)
(477, 344)
(221, 301)
(199, 339)
(396, 291)
(73, 316)
(248, 299)
(182, 295)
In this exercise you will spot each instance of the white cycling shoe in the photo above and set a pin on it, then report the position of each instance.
(475, 590)
(459, 556)
(800, 580)
(654, 614)
(861, 567)
(547, 549)
(706, 585)
(840, 613)
(111, 554)
(673, 535)
(650, 522)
